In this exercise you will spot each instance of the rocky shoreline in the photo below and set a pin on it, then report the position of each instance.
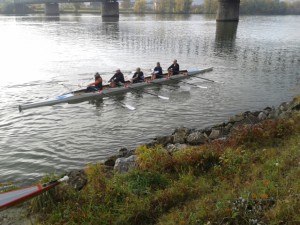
(180, 138)
(183, 137)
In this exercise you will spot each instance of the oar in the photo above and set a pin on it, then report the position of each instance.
(159, 96)
(8, 199)
(220, 82)
(121, 103)
(195, 85)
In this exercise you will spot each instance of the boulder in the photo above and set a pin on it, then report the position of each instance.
(180, 134)
(196, 138)
(262, 116)
(123, 165)
(285, 114)
(77, 179)
(236, 118)
(228, 127)
(295, 104)
(248, 120)
(215, 134)
(110, 161)
(122, 152)
(173, 148)
(284, 106)
(267, 110)
(164, 140)
(272, 114)
(256, 113)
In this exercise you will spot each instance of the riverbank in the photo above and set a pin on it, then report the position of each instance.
(245, 170)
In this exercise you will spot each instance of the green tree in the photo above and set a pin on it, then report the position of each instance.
(140, 6)
(165, 6)
(183, 6)
(210, 6)
(125, 4)
(76, 6)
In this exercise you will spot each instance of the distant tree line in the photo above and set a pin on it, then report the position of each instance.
(185, 7)
(255, 7)
(165, 6)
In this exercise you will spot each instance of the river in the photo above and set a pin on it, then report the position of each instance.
(42, 57)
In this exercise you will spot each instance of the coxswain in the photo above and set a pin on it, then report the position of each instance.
(117, 79)
(95, 86)
(138, 76)
(174, 68)
(157, 72)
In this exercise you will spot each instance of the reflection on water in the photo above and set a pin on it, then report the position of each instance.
(225, 37)
(109, 19)
(226, 31)
(258, 60)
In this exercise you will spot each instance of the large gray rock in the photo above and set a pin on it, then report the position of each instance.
(284, 106)
(215, 134)
(267, 110)
(110, 161)
(123, 165)
(248, 120)
(228, 127)
(164, 140)
(180, 135)
(295, 104)
(77, 179)
(196, 138)
(236, 118)
(173, 148)
(262, 116)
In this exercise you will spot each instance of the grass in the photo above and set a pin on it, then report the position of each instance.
(251, 178)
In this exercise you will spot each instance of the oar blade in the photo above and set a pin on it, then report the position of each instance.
(163, 97)
(203, 87)
(129, 106)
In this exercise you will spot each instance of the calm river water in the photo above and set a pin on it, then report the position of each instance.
(42, 57)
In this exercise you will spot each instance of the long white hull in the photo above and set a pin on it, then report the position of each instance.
(72, 97)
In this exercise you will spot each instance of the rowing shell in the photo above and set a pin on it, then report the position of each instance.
(80, 95)
(11, 198)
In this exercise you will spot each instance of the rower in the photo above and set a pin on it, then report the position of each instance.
(173, 69)
(117, 79)
(157, 72)
(138, 76)
(95, 86)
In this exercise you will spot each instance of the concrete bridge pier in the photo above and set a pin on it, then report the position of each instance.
(51, 9)
(20, 9)
(110, 9)
(228, 10)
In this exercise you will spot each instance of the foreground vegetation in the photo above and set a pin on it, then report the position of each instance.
(250, 178)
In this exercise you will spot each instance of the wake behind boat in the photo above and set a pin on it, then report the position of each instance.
(81, 95)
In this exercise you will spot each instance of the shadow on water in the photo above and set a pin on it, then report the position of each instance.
(225, 37)
(98, 102)
(110, 26)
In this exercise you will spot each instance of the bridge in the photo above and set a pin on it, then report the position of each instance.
(228, 10)
(108, 7)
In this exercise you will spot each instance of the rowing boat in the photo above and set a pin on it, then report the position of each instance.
(11, 198)
(81, 95)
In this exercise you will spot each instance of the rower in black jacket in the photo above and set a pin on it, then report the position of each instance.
(138, 76)
(117, 79)
(174, 68)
